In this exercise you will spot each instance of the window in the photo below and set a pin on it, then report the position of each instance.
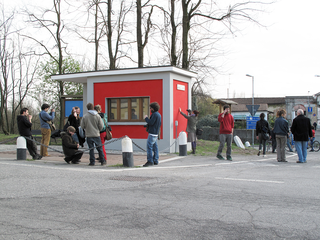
(128, 109)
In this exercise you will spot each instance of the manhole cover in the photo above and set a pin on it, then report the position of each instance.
(131, 178)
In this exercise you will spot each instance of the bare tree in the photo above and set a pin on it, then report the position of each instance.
(5, 61)
(142, 39)
(51, 20)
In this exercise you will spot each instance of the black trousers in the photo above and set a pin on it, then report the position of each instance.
(31, 146)
(74, 158)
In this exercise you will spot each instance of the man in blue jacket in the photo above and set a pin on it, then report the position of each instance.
(154, 123)
(45, 128)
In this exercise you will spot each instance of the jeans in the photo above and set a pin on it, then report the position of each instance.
(95, 141)
(32, 147)
(281, 144)
(225, 138)
(152, 149)
(289, 145)
(301, 147)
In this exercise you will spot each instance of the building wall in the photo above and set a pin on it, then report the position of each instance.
(144, 88)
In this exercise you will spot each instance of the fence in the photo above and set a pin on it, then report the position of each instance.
(212, 134)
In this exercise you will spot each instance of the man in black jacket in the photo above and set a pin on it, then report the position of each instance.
(24, 126)
(301, 130)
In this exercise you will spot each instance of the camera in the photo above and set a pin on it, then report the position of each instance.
(189, 111)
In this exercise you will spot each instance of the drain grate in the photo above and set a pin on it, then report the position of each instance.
(131, 178)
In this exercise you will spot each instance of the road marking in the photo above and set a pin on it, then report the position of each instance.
(249, 180)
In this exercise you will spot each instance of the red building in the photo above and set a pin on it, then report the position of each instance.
(125, 95)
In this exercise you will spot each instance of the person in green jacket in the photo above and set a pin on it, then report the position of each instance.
(191, 127)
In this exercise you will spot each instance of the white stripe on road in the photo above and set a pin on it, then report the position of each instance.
(248, 180)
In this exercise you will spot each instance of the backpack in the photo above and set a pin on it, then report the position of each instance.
(264, 133)
(105, 122)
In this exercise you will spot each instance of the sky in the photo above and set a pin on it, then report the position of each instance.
(283, 57)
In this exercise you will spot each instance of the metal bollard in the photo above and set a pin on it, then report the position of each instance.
(182, 144)
(127, 153)
(21, 148)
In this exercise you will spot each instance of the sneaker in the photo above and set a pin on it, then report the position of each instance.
(258, 153)
(155, 163)
(229, 158)
(103, 163)
(147, 164)
(220, 157)
(91, 164)
(311, 150)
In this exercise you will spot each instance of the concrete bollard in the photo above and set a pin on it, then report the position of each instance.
(127, 153)
(21, 148)
(182, 144)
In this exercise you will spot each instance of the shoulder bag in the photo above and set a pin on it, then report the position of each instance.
(51, 124)
(108, 132)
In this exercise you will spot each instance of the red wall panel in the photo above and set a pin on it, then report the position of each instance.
(143, 88)
(180, 99)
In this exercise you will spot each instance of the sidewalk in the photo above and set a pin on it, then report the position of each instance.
(113, 157)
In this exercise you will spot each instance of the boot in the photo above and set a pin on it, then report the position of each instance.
(193, 150)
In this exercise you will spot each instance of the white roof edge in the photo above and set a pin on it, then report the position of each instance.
(125, 72)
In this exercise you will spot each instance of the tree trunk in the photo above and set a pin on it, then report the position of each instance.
(173, 36)
(139, 35)
(185, 32)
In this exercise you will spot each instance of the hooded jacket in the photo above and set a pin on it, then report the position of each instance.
(24, 126)
(92, 123)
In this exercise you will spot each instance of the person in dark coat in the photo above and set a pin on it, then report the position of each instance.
(24, 126)
(70, 147)
(262, 124)
(301, 130)
(74, 121)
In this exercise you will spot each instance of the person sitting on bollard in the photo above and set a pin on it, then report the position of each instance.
(70, 147)
(24, 126)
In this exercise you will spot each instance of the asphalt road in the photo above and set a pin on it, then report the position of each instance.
(183, 198)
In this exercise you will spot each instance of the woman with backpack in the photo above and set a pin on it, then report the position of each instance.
(262, 133)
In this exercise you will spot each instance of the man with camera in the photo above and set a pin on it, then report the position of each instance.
(153, 128)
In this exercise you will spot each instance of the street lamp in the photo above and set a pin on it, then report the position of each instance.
(252, 109)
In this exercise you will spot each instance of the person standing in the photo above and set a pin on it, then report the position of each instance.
(315, 125)
(24, 127)
(301, 130)
(154, 123)
(74, 121)
(281, 130)
(92, 124)
(312, 139)
(226, 131)
(191, 127)
(262, 129)
(103, 131)
(45, 128)
(70, 147)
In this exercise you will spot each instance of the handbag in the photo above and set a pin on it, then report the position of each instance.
(199, 132)
(51, 124)
(108, 131)
(108, 135)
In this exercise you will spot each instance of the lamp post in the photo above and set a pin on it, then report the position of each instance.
(252, 110)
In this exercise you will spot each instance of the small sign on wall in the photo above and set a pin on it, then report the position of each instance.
(181, 87)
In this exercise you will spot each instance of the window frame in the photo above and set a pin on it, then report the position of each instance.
(140, 116)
